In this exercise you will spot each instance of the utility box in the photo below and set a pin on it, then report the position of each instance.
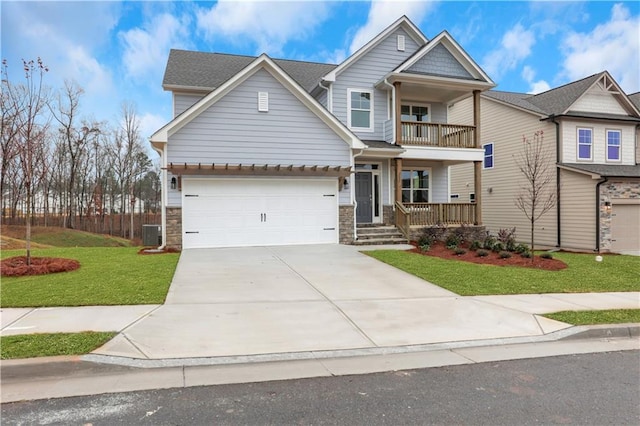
(151, 235)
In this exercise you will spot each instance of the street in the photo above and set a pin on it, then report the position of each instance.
(590, 389)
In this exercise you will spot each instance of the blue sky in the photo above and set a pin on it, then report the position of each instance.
(117, 51)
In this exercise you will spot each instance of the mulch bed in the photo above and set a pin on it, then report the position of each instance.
(17, 266)
(439, 249)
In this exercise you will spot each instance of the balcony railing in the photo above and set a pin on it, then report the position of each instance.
(429, 214)
(439, 135)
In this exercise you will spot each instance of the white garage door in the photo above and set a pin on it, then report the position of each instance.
(625, 227)
(252, 212)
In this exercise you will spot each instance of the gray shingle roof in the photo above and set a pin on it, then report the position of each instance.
(381, 145)
(635, 99)
(210, 70)
(607, 170)
(516, 99)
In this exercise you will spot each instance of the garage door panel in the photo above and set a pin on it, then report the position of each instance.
(242, 212)
(625, 227)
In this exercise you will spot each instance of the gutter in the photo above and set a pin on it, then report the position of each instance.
(558, 222)
(329, 100)
(353, 195)
(163, 195)
(603, 180)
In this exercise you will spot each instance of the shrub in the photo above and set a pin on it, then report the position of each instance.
(482, 253)
(504, 255)
(475, 245)
(510, 245)
(452, 241)
(488, 242)
(425, 242)
(521, 248)
(459, 251)
(425, 246)
(526, 255)
(498, 247)
(546, 256)
(507, 236)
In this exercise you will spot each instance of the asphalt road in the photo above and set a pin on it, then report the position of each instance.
(592, 389)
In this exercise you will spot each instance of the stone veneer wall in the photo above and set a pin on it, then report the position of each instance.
(476, 232)
(609, 192)
(345, 224)
(388, 215)
(174, 227)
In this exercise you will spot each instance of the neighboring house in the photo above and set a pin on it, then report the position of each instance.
(591, 134)
(266, 151)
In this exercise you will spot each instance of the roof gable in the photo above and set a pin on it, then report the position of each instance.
(403, 22)
(266, 63)
(443, 56)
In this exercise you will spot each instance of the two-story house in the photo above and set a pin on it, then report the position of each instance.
(266, 151)
(590, 129)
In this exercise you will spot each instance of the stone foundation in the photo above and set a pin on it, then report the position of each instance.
(345, 224)
(174, 227)
(609, 193)
(476, 232)
(388, 215)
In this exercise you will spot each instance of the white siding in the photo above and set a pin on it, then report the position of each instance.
(569, 131)
(366, 72)
(577, 208)
(598, 100)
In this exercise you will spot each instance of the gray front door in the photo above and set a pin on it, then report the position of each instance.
(363, 198)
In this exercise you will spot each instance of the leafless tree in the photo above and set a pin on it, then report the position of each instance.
(537, 196)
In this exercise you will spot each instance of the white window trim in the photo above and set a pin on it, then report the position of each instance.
(418, 104)
(493, 156)
(578, 158)
(411, 188)
(371, 115)
(613, 160)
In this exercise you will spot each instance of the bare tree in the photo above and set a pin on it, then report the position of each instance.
(27, 102)
(537, 196)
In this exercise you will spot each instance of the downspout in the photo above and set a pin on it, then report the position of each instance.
(163, 195)
(603, 180)
(393, 102)
(558, 216)
(353, 195)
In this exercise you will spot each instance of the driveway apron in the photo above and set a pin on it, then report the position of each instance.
(266, 300)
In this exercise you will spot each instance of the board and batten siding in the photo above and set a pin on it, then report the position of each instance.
(182, 101)
(577, 209)
(233, 131)
(367, 71)
(569, 130)
(504, 127)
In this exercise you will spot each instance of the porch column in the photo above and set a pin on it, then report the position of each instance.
(477, 165)
(398, 113)
(399, 180)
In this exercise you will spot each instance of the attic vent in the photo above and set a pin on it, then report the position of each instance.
(263, 101)
(401, 43)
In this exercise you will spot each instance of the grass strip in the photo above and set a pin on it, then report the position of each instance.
(583, 274)
(107, 276)
(52, 344)
(611, 316)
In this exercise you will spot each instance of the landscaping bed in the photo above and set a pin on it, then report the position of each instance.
(17, 266)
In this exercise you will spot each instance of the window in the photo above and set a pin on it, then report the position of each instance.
(613, 145)
(472, 197)
(415, 186)
(360, 114)
(488, 156)
(415, 114)
(585, 138)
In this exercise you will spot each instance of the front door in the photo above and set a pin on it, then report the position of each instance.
(364, 198)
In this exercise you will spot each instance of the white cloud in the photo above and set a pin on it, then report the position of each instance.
(529, 75)
(613, 46)
(515, 46)
(146, 48)
(270, 25)
(149, 123)
(384, 13)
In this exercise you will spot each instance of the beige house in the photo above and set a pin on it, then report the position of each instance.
(591, 134)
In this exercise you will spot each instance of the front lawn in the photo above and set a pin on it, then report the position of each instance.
(611, 316)
(583, 274)
(107, 276)
(52, 344)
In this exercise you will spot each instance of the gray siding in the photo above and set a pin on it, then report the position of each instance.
(322, 98)
(233, 131)
(367, 71)
(182, 101)
(439, 113)
(439, 61)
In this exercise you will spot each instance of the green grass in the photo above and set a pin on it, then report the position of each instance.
(612, 316)
(107, 276)
(583, 274)
(53, 344)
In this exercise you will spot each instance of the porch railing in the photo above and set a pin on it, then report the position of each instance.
(436, 134)
(429, 214)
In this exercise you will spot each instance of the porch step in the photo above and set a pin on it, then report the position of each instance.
(379, 234)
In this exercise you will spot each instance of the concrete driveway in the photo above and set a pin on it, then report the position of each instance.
(266, 300)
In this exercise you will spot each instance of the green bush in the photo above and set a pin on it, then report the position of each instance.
(482, 253)
(546, 256)
(488, 242)
(504, 255)
(475, 245)
(452, 241)
(459, 251)
(521, 248)
(498, 247)
(526, 255)
(425, 242)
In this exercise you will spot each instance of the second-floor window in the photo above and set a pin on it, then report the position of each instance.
(613, 145)
(488, 156)
(585, 144)
(360, 114)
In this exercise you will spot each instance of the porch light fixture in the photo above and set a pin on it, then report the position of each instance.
(345, 183)
(174, 183)
(607, 206)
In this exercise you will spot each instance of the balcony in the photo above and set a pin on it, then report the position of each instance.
(417, 133)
